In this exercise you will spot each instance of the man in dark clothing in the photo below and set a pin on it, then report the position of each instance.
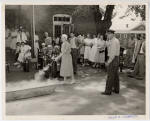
(113, 45)
(74, 51)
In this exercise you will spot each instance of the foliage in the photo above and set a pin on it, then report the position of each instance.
(81, 10)
(138, 10)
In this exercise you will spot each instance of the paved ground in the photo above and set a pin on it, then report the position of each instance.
(83, 98)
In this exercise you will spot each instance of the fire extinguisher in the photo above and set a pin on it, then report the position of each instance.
(26, 66)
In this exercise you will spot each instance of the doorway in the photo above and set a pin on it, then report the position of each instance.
(66, 29)
(61, 24)
(57, 30)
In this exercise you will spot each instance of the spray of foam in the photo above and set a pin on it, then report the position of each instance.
(39, 76)
(38, 81)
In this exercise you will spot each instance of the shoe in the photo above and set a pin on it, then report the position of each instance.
(73, 82)
(17, 63)
(117, 92)
(131, 76)
(106, 93)
(139, 78)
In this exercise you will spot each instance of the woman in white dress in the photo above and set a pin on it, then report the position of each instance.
(66, 68)
(82, 48)
(87, 51)
(94, 51)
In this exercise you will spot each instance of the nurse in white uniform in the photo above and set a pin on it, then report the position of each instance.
(88, 43)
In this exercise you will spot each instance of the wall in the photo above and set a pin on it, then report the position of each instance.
(44, 22)
(44, 18)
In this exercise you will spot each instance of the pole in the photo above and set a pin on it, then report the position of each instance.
(19, 15)
(33, 30)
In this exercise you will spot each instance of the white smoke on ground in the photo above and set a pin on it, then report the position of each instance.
(39, 76)
(38, 81)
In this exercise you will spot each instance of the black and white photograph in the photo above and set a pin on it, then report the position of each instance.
(76, 59)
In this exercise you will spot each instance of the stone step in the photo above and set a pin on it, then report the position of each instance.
(29, 93)
(31, 88)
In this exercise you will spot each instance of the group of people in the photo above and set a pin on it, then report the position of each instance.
(18, 40)
(87, 49)
(132, 50)
(94, 52)
(90, 50)
(135, 56)
(93, 49)
(16, 35)
(132, 47)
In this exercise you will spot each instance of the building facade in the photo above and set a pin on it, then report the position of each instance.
(55, 19)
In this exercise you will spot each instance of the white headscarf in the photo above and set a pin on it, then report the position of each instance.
(65, 36)
(43, 43)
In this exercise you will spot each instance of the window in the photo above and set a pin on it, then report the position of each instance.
(128, 36)
(62, 19)
(67, 19)
(122, 36)
(55, 18)
(117, 35)
(61, 24)
(59, 18)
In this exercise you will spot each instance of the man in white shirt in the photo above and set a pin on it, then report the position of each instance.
(112, 83)
(139, 68)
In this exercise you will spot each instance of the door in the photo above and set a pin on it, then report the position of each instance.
(66, 29)
(57, 30)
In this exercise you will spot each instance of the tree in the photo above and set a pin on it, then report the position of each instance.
(102, 25)
(102, 18)
(138, 10)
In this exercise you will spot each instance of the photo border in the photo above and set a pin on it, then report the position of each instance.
(76, 117)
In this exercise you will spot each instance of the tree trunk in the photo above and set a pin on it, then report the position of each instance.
(103, 25)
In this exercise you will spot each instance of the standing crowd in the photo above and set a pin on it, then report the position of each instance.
(90, 50)
(135, 56)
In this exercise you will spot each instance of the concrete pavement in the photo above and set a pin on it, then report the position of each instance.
(85, 98)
